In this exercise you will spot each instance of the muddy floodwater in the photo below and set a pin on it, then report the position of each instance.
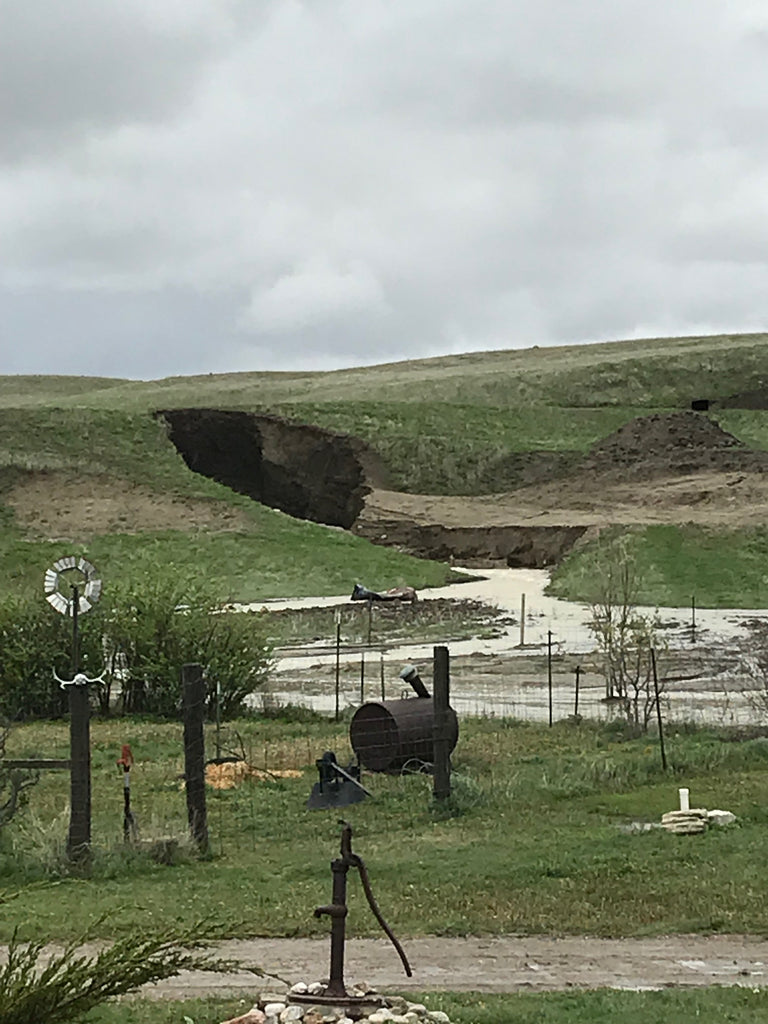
(701, 659)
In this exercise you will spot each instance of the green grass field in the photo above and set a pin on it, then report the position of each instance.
(531, 842)
(718, 568)
(662, 372)
(704, 1006)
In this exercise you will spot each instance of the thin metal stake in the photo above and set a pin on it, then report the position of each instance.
(338, 654)
(522, 620)
(75, 631)
(362, 677)
(218, 718)
(576, 696)
(658, 710)
(549, 671)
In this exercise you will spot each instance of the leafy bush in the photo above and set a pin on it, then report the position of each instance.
(142, 632)
(155, 624)
(35, 641)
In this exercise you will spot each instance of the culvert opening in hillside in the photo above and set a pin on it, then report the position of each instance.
(303, 470)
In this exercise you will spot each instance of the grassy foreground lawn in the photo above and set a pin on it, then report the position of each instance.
(533, 843)
(721, 568)
(705, 1006)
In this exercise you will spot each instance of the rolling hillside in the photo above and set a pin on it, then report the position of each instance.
(107, 465)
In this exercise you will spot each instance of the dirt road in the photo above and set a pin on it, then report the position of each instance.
(494, 964)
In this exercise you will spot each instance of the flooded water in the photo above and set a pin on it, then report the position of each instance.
(497, 676)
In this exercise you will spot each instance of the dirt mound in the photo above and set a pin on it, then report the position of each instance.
(671, 444)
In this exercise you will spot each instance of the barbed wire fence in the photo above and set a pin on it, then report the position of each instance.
(702, 681)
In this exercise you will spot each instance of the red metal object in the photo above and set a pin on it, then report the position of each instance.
(125, 762)
(126, 758)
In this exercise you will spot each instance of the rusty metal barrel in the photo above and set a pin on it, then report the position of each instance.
(386, 734)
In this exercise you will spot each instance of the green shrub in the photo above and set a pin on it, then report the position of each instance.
(142, 632)
(155, 624)
(35, 641)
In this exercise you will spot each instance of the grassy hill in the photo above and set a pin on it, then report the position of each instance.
(445, 425)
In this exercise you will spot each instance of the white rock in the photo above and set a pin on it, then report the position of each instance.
(274, 1009)
(253, 1016)
(695, 813)
(438, 1017)
(721, 817)
(416, 1007)
(316, 988)
(291, 1013)
(299, 988)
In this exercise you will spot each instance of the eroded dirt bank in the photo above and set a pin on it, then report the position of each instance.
(675, 468)
(523, 547)
(303, 470)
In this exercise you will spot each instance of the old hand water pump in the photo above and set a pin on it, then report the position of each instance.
(335, 993)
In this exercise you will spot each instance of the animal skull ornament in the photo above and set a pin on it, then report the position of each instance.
(80, 679)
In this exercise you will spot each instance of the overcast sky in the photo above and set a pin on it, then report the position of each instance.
(193, 186)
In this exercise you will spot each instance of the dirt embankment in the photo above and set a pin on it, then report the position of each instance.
(303, 470)
(675, 468)
(671, 468)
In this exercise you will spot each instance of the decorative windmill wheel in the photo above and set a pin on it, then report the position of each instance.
(70, 577)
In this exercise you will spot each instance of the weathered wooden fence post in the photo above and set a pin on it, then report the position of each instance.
(441, 730)
(79, 834)
(193, 696)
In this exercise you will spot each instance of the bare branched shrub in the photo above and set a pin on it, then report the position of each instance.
(625, 636)
(754, 667)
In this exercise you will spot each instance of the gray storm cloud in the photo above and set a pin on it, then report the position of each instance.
(220, 185)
